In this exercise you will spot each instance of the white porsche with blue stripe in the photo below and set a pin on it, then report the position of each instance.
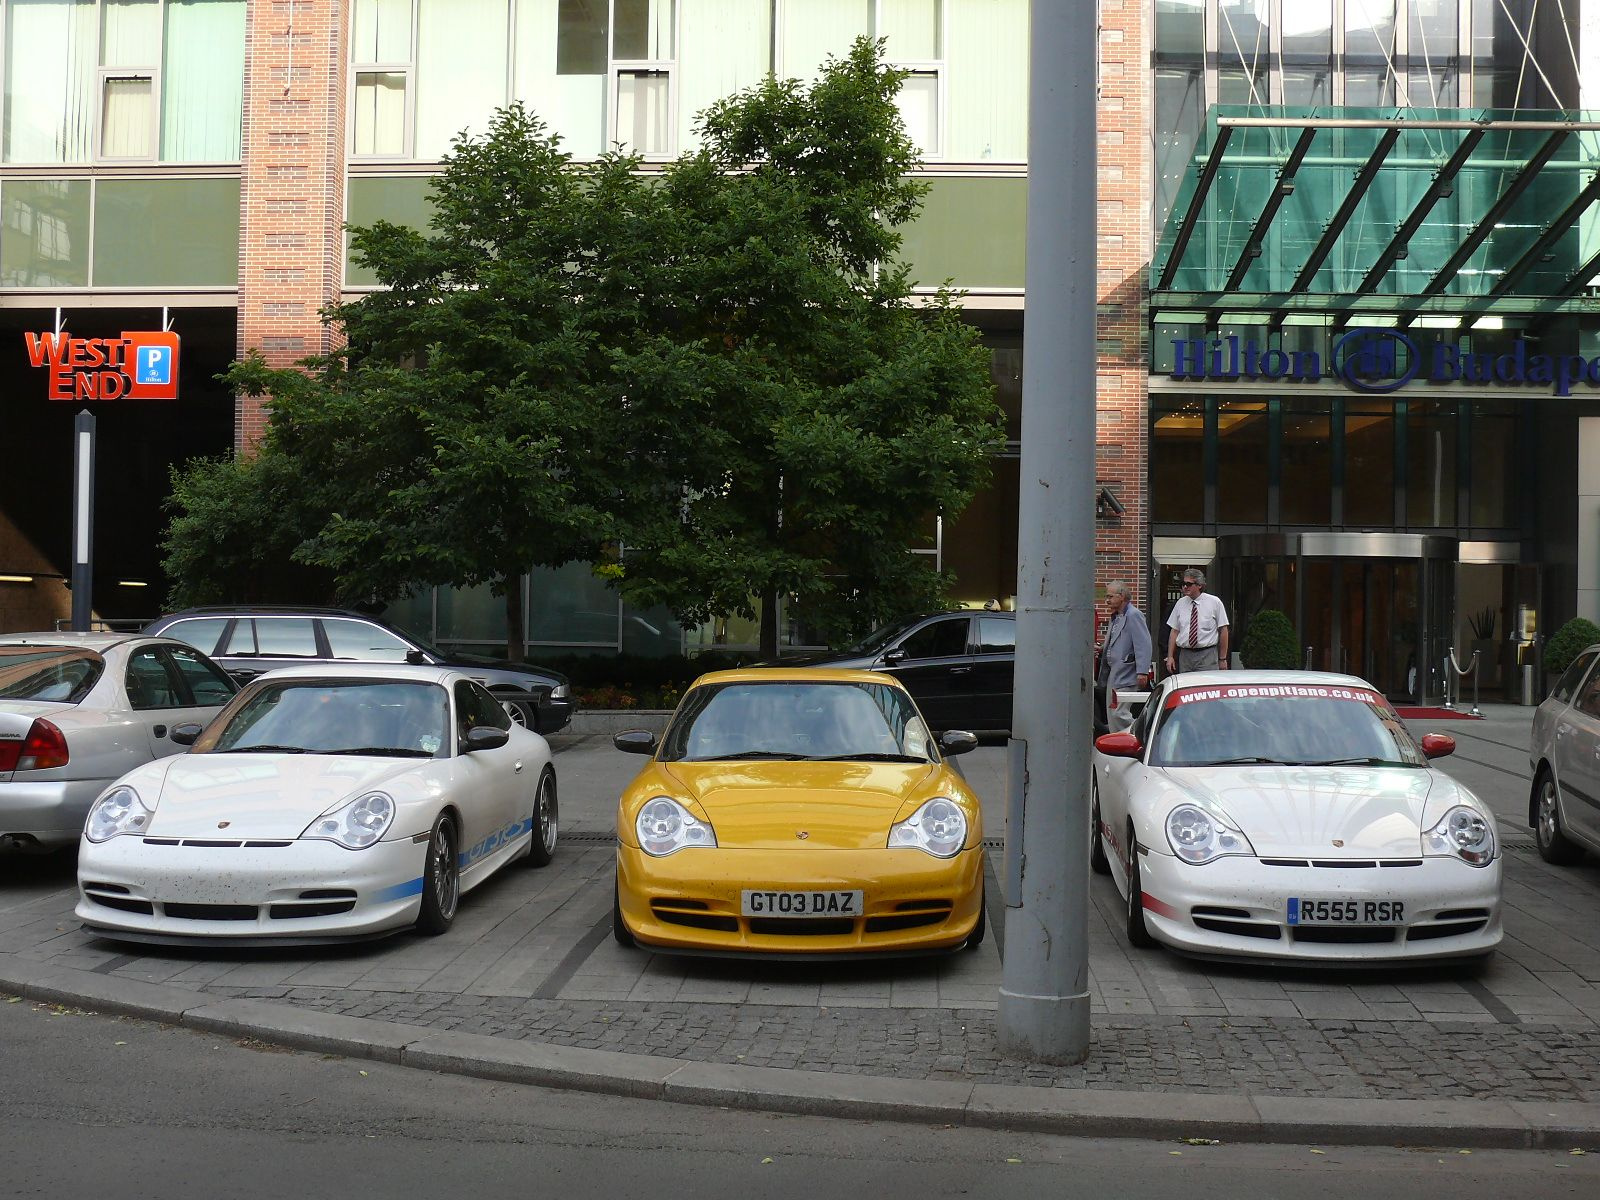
(329, 802)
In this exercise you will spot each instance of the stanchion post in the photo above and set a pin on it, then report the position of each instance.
(1475, 710)
(1449, 660)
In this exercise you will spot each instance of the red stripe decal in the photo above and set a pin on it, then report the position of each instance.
(1160, 907)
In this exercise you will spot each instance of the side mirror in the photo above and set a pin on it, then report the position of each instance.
(486, 737)
(1119, 745)
(893, 657)
(1437, 745)
(635, 741)
(957, 741)
(186, 734)
(416, 658)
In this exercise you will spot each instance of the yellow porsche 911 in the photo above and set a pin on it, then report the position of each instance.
(798, 812)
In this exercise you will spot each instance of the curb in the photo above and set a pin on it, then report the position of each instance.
(1477, 1124)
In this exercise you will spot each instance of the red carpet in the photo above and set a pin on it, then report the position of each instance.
(1413, 713)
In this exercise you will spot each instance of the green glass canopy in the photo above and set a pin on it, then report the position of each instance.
(1405, 211)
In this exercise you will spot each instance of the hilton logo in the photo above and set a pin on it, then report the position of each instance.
(1378, 360)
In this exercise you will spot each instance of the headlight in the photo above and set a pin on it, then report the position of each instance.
(1465, 833)
(357, 825)
(939, 827)
(664, 826)
(1197, 837)
(561, 691)
(119, 811)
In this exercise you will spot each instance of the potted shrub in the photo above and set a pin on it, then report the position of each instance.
(1269, 644)
(1570, 640)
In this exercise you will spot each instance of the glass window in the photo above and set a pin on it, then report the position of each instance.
(724, 47)
(1202, 728)
(461, 78)
(996, 635)
(44, 233)
(814, 29)
(644, 115)
(1434, 32)
(130, 33)
(912, 28)
(286, 637)
(1494, 476)
(208, 684)
(149, 684)
(1242, 447)
(918, 102)
(202, 633)
(1368, 87)
(583, 28)
(1242, 85)
(571, 604)
(1307, 86)
(1589, 698)
(166, 232)
(380, 114)
(1180, 111)
(1180, 27)
(1242, 31)
(242, 640)
(471, 614)
(363, 642)
(1431, 464)
(795, 720)
(1177, 462)
(58, 674)
(1307, 27)
(643, 29)
(1567, 686)
(381, 31)
(476, 708)
(384, 718)
(1369, 478)
(986, 81)
(127, 124)
(940, 639)
(202, 81)
(1369, 29)
(50, 80)
(1305, 488)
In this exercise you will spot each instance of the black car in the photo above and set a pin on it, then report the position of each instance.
(958, 666)
(247, 640)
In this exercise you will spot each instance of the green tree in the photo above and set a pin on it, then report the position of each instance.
(467, 418)
(813, 418)
(1269, 643)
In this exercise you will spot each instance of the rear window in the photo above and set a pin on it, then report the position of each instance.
(200, 632)
(49, 674)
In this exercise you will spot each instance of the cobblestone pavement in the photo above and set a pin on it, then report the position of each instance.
(531, 957)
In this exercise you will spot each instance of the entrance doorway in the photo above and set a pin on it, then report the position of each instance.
(1379, 606)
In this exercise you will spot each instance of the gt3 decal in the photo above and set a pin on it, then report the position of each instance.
(500, 837)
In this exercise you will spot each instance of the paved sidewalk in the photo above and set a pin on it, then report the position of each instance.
(530, 986)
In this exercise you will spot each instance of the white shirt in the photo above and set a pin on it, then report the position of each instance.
(1213, 616)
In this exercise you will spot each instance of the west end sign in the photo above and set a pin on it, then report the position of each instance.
(136, 366)
(1379, 360)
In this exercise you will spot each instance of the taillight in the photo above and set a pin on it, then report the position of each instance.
(44, 747)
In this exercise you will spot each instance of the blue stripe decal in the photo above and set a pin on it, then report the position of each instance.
(494, 841)
(400, 890)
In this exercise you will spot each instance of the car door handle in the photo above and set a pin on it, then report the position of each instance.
(517, 768)
(159, 730)
(959, 670)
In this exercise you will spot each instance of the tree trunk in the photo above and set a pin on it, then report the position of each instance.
(769, 627)
(516, 640)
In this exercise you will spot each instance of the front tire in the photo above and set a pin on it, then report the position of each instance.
(1138, 931)
(546, 821)
(1554, 845)
(1098, 862)
(521, 714)
(441, 879)
(975, 938)
(619, 927)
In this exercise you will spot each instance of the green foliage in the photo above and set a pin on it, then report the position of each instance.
(1482, 623)
(1269, 643)
(816, 419)
(237, 525)
(1570, 640)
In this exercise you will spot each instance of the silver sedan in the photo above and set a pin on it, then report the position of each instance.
(77, 710)
(1564, 749)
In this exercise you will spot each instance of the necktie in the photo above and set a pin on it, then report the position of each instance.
(1194, 623)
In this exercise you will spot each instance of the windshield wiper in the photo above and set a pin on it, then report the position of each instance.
(265, 750)
(780, 754)
(1231, 762)
(383, 751)
(877, 756)
(1357, 760)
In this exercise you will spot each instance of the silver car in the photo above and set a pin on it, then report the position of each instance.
(1564, 748)
(77, 710)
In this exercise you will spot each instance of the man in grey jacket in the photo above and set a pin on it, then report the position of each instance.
(1125, 656)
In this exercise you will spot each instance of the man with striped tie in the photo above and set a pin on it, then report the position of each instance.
(1197, 630)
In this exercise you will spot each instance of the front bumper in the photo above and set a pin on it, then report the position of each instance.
(691, 901)
(1237, 907)
(555, 714)
(50, 813)
(277, 893)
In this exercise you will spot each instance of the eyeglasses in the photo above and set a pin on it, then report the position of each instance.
(1189, 583)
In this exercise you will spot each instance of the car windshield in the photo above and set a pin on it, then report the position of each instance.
(879, 638)
(386, 718)
(1294, 724)
(787, 719)
(49, 674)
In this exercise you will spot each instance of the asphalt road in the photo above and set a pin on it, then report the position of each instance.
(123, 1109)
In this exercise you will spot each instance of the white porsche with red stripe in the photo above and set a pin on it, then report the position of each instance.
(1291, 815)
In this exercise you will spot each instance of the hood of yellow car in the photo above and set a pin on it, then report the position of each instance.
(835, 805)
